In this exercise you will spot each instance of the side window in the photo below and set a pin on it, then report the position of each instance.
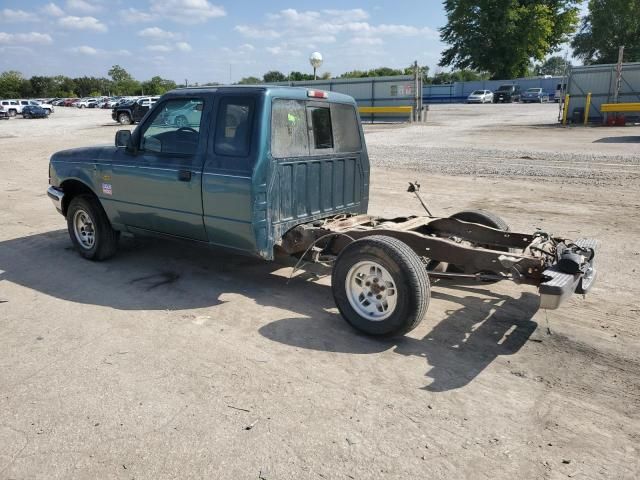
(345, 128)
(174, 128)
(289, 135)
(321, 129)
(233, 126)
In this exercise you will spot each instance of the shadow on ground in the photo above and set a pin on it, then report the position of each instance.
(147, 274)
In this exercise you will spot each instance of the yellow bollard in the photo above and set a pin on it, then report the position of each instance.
(566, 109)
(586, 109)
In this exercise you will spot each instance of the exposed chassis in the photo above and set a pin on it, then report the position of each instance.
(557, 266)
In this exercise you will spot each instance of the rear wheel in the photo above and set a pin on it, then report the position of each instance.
(380, 286)
(90, 229)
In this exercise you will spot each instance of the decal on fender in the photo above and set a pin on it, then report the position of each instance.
(106, 189)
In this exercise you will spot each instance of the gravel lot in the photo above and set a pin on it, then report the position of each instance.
(155, 363)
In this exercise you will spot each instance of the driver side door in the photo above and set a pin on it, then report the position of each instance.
(159, 188)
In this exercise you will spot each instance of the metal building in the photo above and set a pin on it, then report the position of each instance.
(600, 81)
(395, 91)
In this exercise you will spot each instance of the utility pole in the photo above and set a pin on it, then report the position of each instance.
(616, 92)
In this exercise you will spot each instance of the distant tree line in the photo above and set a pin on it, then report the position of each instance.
(120, 82)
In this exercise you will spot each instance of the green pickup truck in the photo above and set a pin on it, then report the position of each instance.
(265, 170)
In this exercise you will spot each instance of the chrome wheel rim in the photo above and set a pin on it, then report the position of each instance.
(83, 229)
(371, 291)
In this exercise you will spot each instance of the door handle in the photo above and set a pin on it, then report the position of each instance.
(184, 175)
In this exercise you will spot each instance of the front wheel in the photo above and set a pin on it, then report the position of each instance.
(90, 229)
(380, 286)
(124, 119)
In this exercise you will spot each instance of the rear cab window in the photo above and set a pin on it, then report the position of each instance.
(310, 128)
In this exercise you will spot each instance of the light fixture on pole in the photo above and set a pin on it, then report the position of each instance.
(315, 59)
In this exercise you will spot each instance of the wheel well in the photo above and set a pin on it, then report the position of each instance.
(71, 189)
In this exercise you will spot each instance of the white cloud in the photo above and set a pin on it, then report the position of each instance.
(132, 15)
(92, 52)
(82, 23)
(9, 15)
(283, 50)
(312, 27)
(183, 46)
(366, 41)
(53, 10)
(20, 38)
(84, 50)
(157, 33)
(253, 32)
(187, 11)
(83, 6)
(159, 48)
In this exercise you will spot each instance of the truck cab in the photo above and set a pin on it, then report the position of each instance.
(235, 167)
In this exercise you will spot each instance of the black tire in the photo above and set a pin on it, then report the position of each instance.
(124, 118)
(410, 279)
(105, 237)
(13, 113)
(482, 217)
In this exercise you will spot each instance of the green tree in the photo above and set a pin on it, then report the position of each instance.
(11, 84)
(42, 86)
(609, 25)
(158, 86)
(374, 72)
(502, 36)
(555, 65)
(299, 76)
(250, 81)
(123, 82)
(274, 76)
(441, 78)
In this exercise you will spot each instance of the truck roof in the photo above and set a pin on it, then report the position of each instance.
(297, 93)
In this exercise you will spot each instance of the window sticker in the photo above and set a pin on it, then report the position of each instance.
(106, 189)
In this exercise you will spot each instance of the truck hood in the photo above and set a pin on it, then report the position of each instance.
(85, 154)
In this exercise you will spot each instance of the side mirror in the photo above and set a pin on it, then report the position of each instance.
(123, 138)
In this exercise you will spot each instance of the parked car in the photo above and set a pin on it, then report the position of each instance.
(184, 116)
(132, 111)
(47, 106)
(480, 96)
(536, 95)
(34, 111)
(84, 102)
(4, 115)
(281, 170)
(68, 102)
(507, 94)
(12, 107)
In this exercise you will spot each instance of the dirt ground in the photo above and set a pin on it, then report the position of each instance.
(176, 361)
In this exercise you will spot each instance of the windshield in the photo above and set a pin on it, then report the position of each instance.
(505, 88)
(478, 92)
(534, 90)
